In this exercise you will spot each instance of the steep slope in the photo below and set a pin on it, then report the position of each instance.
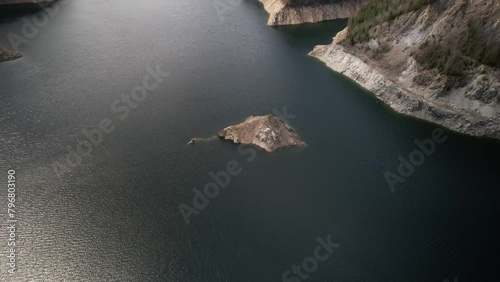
(288, 14)
(438, 61)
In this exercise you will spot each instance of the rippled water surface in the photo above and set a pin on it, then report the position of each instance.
(115, 217)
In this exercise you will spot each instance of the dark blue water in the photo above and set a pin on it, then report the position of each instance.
(115, 215)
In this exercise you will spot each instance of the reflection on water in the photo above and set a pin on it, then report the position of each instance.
(115, 217)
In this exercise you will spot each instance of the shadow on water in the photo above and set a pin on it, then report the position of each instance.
(437, 222)
(9, 13)
(306, 36)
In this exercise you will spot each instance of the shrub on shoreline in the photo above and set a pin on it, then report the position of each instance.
(375, 12)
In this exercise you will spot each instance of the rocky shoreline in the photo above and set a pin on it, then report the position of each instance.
(476, 120)
(280, 14)
(386, 64)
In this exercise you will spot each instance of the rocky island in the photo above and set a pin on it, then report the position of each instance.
(437, 60)
(6, 55)
(268, 132)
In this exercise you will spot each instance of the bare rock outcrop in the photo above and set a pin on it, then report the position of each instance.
(268, 132)
(281, 14)
(6, 55)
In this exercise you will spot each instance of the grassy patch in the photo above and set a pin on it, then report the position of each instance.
(451, 55)
(376, 12)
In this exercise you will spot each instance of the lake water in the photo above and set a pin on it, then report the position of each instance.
(115, 216)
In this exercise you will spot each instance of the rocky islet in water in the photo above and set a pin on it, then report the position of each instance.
(267, 132)
(6, 55)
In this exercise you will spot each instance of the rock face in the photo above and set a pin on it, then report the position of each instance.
(6, 55)
(280, 14)
(386, 65)
(267, 132)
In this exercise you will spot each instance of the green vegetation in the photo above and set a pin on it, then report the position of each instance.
(467, 44)
(479, 46)
(451, 55)
(436, 55)
(376, 12)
